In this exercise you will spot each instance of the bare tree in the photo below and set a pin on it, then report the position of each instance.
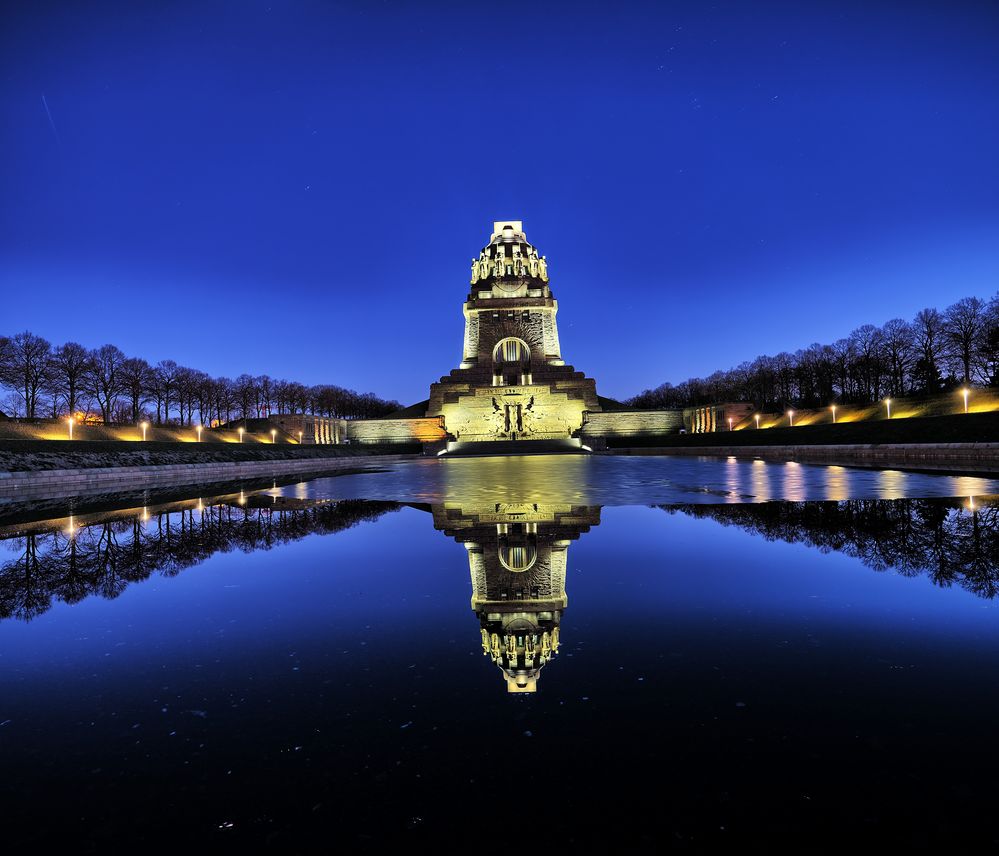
(136, 380)
(69, 367)
(963, 325)
(899, 349)
(166, 377)
(25, 368)
(928, 330)
(104, 379)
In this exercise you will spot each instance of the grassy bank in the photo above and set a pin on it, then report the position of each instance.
(962, 428)
(32, 455)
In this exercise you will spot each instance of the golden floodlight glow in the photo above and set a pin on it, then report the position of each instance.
(888, 405)
(198, 429)
(729, 423)
(70, 423)
(299, 438)
(965, 393)
(273, 435)
(790, 418)
(241, 430)
(144, 426)
(756, 416)
(833, 408)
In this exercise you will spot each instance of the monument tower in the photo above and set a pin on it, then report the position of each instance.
(512, 383)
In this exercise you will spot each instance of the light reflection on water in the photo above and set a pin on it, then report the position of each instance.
(608, 480)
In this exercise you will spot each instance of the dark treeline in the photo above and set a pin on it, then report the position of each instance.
(935, 352)
(952, 545)
(105, 384)
(104, 558)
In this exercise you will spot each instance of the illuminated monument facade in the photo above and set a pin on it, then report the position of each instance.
(512, 390)
(512, 383)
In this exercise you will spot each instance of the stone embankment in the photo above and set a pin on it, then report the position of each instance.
(26, 479)
(968, 457)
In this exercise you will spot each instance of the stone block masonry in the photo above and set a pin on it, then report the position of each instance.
(75, 482)
(425, 429)
(632, 423)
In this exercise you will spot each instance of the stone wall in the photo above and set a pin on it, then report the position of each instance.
(632, 423)
(309, 429)
(427, 429)
(715, 417)
(75, 482)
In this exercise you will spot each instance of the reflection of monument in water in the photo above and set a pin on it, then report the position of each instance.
(517, 557)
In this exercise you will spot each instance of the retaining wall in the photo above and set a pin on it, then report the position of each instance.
(54, 483)
(632, 423)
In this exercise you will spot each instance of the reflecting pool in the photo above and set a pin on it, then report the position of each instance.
(502, 653)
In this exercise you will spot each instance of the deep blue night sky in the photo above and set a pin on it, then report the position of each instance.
(298, 189)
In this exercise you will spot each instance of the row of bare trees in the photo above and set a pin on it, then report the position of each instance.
(933, 353)
(105, 383)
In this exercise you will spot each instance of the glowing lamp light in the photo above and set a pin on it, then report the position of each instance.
(756, 416)
(241, 430)
(273, 435)
(198, 429)
(833, 408)
(790, 418)
(299, 438)
(144, 426)
(888, 405)
(729, 423)
(69, 422)
(965, 392)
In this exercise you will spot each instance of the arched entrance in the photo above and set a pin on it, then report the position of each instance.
(511, 362)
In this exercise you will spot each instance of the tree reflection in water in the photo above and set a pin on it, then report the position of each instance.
(71, 562)
(954, 542)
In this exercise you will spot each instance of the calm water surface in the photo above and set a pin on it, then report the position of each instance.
(505, 653)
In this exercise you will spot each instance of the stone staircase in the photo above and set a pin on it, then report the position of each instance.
(564, 446)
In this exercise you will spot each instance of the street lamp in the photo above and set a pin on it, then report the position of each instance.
(729, 423)
(756, 416)
(888, 405)
(790, 418)
(833, 408)
(299, 438)
(273, 435)
(69, 422)
(241, 430)
(965, 392)
(198, 429)
(144, 426)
